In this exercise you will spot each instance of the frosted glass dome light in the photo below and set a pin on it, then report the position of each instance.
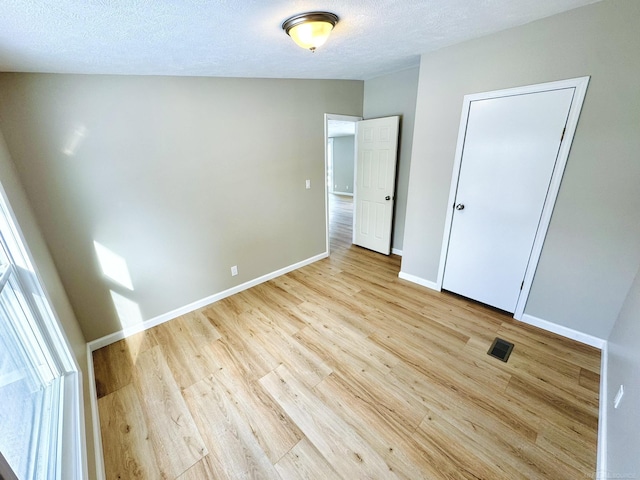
(310, 30)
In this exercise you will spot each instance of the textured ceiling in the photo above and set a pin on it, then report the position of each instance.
(243, 38)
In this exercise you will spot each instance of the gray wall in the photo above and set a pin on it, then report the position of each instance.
(180, 177)
(50, 280)
(389, 95)
(623, 435)
(591, 252)
(343, 160)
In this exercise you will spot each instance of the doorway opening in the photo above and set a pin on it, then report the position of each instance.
(340, 133)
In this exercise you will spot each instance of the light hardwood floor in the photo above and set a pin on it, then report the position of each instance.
(342, 370)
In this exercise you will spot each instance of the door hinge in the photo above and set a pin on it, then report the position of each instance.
(562, 136)
(522, 285)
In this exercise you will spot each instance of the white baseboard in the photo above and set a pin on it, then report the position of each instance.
(601, 460)
(396, 251)
(419, 281)
(564, 331)
(348, 194)
(601, 466)
(95, 419)
(529, 319)
(152, 322)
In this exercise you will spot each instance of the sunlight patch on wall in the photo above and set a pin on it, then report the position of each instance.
(128, 311)
(113, 266)
(74, 141)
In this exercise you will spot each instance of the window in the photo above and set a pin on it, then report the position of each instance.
(39, 382)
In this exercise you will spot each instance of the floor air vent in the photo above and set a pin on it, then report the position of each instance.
(500, 349)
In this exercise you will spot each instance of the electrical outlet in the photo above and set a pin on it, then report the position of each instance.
(308, 184)
(619, 395)
(234, 270)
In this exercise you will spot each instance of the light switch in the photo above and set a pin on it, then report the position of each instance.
(308, 184)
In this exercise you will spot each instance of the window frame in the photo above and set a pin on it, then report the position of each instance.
(67, 433)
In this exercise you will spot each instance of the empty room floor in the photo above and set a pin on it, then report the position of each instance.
(342, 370)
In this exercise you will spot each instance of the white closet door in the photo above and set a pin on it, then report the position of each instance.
(510, 149)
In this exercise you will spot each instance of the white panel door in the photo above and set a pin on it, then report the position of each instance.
(510, 149)
(376, 154)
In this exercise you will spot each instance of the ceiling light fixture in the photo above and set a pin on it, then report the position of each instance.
(310, 30)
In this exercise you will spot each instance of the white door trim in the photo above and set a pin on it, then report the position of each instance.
(327, 117)
(580, 84)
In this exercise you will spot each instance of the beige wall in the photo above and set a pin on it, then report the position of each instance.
(623, 436)
(591, 252)
(395, 94)
(343, 163)
(180, 177)
(49, 278)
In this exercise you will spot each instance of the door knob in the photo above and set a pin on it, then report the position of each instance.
(460, 206)
(387, 197)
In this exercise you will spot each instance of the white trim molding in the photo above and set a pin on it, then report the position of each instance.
(69, 459)
(419, 281)
(564, 331)
(580, 89)
(396, 251)
(601, 460)
(327, 117)
(152, 322)
(95, 418)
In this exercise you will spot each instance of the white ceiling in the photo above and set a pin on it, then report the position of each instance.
(243, 38)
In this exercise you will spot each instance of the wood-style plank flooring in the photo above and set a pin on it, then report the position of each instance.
(342, 370)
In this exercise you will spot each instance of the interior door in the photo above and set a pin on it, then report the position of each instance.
(510, 149)
(375, 181)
